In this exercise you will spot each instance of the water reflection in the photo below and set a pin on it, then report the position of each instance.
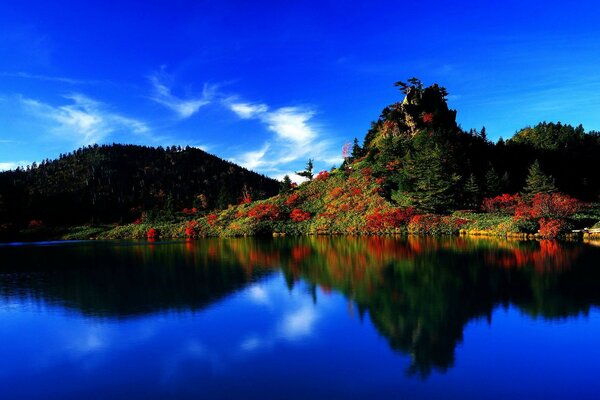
(419, 293)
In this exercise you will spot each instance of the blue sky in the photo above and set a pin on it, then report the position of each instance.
(270, 84)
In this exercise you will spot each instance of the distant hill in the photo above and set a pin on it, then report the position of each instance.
(119, 183)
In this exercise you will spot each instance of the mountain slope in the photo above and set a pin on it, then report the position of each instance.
(119, 183)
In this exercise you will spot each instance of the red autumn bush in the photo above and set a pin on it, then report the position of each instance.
(503, 204)
(379, 221)
(336, 192)
(293, 199)
(322, 176)
(264, 211)
(428, 118)
(297, 215)
(554, 205)
(211, 219)
(246, 199)
(191, 229)
(152, 233)
(551, 227)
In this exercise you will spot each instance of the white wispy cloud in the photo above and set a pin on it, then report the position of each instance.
(184, 108)
(247, 110)
(50, 78)
(84, 121)
(296, 136)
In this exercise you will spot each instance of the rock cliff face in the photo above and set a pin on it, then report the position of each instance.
(422, 109)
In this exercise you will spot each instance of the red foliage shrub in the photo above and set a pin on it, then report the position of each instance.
(423, 223)
(264, 211)
(211, 219)
(428, 118)
(191, 229)
(322, 176)
(355, 191)
(246, 199)
(35, 223)
(152, 233)
(380, 180)
(554, 205)
(503, 204)
(379, 221)
(189, 211)
(366, 172)
(551, 227)
(336, 192)
(297, 215)
(293, 199)
(137, 221)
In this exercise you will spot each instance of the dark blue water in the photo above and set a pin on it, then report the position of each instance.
(300, 318)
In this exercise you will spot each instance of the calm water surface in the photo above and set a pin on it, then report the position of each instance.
(300, 318)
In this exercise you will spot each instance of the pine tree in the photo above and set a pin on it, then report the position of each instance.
(472, 193)
(492, 182)
(308, 172)
(356, 150)
(538, 182)
(429, 182)
(286, 184)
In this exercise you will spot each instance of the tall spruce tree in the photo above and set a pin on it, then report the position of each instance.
(472, 196)
(356, 150)
(430, 182)
(286, 184)
(538, 182)
(492, 182)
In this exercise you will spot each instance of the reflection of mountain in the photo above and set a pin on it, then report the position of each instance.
(418, 292)
(120, 280)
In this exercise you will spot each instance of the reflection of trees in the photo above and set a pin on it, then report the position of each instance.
(418, 292)
(121, 280)
(421, 292)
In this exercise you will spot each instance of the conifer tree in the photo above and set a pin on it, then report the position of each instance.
(492, 182)
(308, 172)
(538, 182)
(286, 184)
(472, 192)
(356, 150)
(429, 182)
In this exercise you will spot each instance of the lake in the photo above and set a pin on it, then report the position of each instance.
(311, 317)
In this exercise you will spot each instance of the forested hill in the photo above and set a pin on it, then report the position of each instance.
(120, 183)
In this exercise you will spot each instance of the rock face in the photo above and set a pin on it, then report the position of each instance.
(421, 109)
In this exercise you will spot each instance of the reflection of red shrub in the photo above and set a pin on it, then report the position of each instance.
(504, 204)
(551, 228)
(264, 211)
(152, 233)
(297, 215)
